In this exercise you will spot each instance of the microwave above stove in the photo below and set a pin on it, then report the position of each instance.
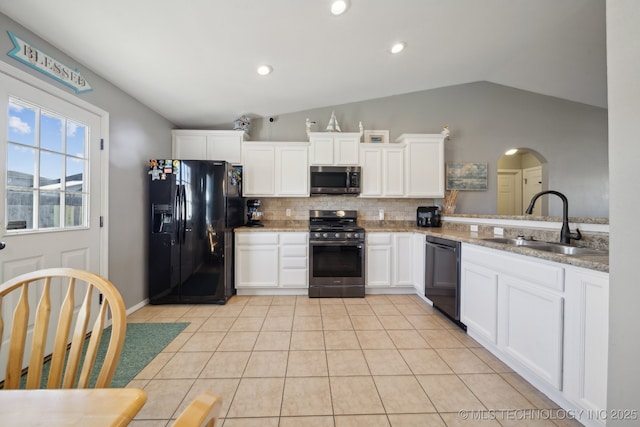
(335, 180)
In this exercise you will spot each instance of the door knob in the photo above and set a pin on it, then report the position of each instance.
(2, 245)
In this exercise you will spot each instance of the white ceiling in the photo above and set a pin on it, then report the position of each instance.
(194, 61)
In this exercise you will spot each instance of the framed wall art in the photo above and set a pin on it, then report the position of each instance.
(376, 136)
(466, 176)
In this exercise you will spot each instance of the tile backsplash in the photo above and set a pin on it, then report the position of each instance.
(275, 208)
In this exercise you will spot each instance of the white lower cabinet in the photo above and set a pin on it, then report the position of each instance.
(586, 337)
(256, 259)
(266, 260)
(402, 260)
(378, 259)
(418, 257)
(547, 321)
(389, 260)
(294, 260)
(479, 297)
(530, 328)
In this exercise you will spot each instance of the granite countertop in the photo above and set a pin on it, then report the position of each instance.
(274, 226)
(592, 262)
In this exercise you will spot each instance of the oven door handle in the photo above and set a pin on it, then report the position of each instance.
(358, 245)
(441, 246)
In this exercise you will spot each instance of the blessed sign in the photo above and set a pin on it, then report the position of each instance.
(38, 60)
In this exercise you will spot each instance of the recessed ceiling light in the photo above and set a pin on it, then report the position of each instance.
(511, 152)
(398, 47)
(265, 69)
(338, 7)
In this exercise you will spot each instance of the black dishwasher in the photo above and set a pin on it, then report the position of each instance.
(442, 276)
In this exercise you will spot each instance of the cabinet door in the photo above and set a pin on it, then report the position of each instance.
(258, 175)
(378, 259)
(402, 251)
(425, 166)
(393, 172)
(225, 147)
(189, 147)
(587, 338)
(321, 149)
(479, 299)
(531, 327)
(417, 267)
(346, 149)
(371, 163)
(292, 170)
(256, 260)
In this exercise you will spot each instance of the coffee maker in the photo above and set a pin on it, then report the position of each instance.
(254, 215)
(428, 216)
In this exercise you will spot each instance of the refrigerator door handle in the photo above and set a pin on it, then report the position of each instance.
(177, 212)
(184, 214)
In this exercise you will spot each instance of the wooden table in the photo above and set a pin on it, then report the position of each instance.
(70, 407)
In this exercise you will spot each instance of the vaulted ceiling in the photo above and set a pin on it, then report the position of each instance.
(195, 61)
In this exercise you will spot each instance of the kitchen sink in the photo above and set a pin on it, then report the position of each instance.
(515, 242)
(571, 250)
(553, 247)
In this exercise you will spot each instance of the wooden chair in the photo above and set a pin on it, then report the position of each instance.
(19, 292)
(203, 411)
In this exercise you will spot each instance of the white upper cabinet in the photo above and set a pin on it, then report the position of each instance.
(334, 148)
(383, 170)
(292, 168)
(424, 164)
(208, 145)
(275, 169)
(259, 169)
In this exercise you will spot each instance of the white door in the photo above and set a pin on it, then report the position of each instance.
(509, 192)
(50, 185)
(531, 185)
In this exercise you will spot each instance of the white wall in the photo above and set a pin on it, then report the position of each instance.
(623, 74)
(136, 134)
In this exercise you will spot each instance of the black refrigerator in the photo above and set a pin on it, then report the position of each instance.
(194, 206)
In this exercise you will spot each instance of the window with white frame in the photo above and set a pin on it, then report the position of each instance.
(47, 164)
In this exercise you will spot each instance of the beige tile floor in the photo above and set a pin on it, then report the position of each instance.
(385, 360)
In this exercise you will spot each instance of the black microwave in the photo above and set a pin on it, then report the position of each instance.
(335, 180)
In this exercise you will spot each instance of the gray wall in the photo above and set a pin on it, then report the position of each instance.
(136, 134)
(485, 119)
(623, 69)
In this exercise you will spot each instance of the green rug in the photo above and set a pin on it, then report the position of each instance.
(142, 343)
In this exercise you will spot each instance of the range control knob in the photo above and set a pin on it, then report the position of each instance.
(356, 235)
(325, 235)
(337, 235)
(348, 235)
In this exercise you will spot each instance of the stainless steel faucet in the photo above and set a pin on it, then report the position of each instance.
(565, 234)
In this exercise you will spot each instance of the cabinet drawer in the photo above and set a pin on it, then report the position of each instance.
(379, 238)
(294, 262)
(294, 238)
(257, 238)
(293, 251)
(293, 278)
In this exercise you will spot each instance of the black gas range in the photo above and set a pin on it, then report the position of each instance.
(336, 254)
(334, 225)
